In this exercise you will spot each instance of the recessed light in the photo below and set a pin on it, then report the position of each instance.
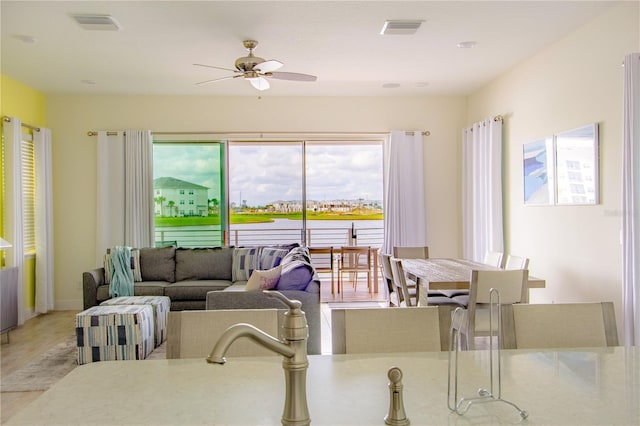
(401, 27)
(391, 85)
(96, 22)
(25, 38)
(467, 44)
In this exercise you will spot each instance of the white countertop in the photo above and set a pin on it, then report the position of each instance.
(575, 387)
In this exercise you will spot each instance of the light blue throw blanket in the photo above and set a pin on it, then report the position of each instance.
(121, 274)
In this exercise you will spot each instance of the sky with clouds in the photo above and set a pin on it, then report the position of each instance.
(262, 174)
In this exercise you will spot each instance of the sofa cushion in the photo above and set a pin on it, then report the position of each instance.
(245, 261)
(271, 257)
(204, 263)
(194, 290)
(296, 271)
(263, 280)
(158, 264)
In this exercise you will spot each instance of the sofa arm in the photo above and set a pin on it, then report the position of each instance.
(91, 280)
(258, 300)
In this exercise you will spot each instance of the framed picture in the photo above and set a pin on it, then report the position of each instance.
(577, 166)
(538, 172)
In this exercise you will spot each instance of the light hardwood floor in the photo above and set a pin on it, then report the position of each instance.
(26, 342)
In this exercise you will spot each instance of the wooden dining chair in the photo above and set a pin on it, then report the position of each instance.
(512, 288)
(407, 296)
(411, 295)
(387, 275)
(493, 258)
(322, 261)
(516, 262)
(354, 260)
(396, 330)
(411, 252)
(562, 325)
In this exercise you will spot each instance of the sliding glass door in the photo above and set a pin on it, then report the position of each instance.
(189, 196)
(316, 193)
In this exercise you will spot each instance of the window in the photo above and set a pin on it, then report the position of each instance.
(256, 193)
(28, 194)
(196, 168)
(312, 193)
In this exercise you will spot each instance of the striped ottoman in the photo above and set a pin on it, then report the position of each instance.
(107, 333)
(161, 306)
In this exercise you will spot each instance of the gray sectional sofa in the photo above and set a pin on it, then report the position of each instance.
(215, 278)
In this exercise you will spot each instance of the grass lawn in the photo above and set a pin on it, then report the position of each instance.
(240, 218)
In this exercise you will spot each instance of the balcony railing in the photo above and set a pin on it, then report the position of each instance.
(335, 237)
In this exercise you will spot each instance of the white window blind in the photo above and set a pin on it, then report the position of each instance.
(28, 194)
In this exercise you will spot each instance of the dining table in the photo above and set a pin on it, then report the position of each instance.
(587, 386)
(450, 273)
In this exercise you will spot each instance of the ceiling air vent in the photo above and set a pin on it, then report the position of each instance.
(97, 22)
(400, 27)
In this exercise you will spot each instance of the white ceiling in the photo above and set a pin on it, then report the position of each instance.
(338, 41)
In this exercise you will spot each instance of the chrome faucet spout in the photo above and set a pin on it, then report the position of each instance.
(246, 330)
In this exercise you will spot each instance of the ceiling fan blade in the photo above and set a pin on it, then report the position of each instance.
(293, 76)
(259, 83)
(268, 66)
(202, 83)
(218, 68)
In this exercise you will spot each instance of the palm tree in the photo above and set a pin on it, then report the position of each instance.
(160, 200)
(172, 206)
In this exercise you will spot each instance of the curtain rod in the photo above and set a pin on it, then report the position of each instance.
(261, 134)
(28, 126)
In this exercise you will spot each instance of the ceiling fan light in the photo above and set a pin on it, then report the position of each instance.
(259, 83)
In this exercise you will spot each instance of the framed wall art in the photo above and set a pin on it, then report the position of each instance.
(538, 170)
(563, 169)
(577, 162)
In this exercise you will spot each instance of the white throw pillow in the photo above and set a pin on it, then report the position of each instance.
(263, 280)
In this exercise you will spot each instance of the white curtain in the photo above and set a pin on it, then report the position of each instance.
(125, 190)
(631, 201)
(12, 132)
(404, 208)
(44, 293)
(482, 228)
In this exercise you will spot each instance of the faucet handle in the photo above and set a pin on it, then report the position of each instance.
(291, 304)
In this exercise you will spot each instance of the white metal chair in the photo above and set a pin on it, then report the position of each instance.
(516, 262)
(562, 325)
(512, 288)
(396, 330)
(493, 258)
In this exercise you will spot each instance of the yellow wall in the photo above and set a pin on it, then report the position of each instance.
(27, 104)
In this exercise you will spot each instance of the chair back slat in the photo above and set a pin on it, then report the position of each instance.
(409, 330)
(411, 252)
(564, 325)
(511, 285)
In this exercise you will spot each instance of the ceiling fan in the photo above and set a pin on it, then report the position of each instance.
(257, 70)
